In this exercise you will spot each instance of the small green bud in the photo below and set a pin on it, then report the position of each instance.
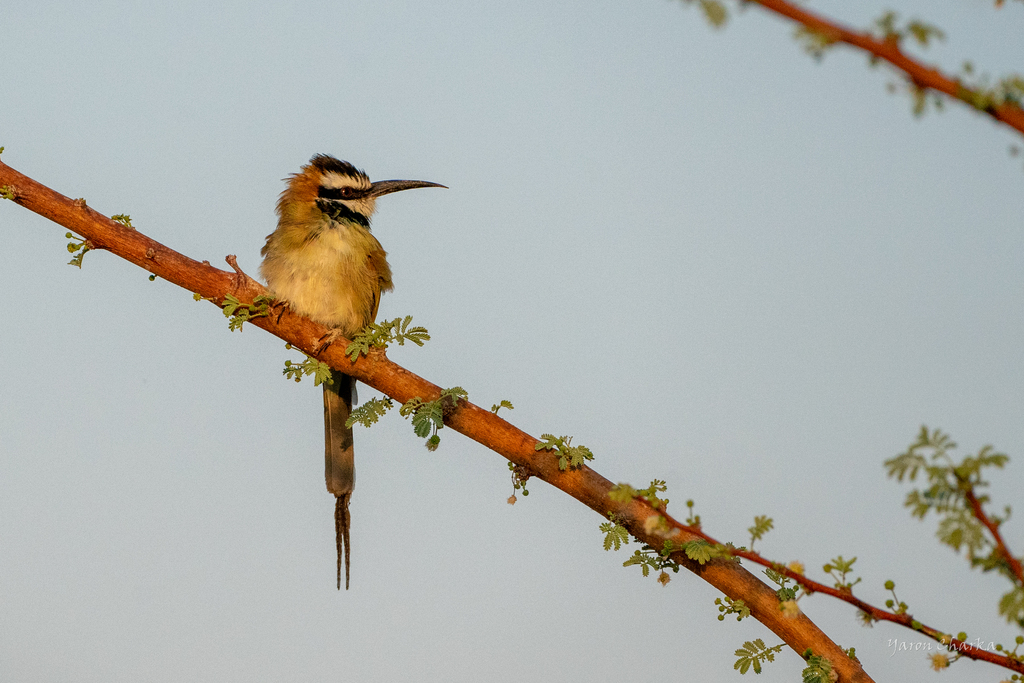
(962, 637)
(152, 277)
(1019, 640)
(889, 585)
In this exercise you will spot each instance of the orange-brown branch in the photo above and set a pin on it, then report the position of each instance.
(376, 370)
(960, 647)
(920, 75)
(979, 513)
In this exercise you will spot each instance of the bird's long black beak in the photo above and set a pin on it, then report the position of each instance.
(383, 187)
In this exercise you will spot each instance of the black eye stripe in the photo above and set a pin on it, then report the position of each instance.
(339, 192)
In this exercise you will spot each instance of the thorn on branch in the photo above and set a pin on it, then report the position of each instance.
(242, 280)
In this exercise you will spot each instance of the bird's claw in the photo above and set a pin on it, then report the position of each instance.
(281, 305)
(325, 341)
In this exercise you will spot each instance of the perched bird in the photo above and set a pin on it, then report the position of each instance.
(324, 263)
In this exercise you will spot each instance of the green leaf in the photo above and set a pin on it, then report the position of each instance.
(124, 219)
(698, 550)
(379, 335)
(370, 412)
(753, 653)
(1011, 606)
(616, 535)
(504, 404)
(240, 313)
(762, 525)
(646, 562)
(569, 456)
(819, 670)
(428, 417)
(320, 371)
(549, 442)
(961, 528)
(455, 394)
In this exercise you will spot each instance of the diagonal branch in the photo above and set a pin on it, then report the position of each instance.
(979, 513)
(479, 424)
(962, 648)
(921, 76)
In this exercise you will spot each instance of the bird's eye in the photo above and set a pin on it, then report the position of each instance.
(334, 192)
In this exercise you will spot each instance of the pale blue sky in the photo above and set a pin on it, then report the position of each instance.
(706, 256)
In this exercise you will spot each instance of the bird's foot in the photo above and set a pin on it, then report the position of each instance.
(325, 341)
(280, 305)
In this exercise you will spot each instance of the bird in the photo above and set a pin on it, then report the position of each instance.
(323, 262)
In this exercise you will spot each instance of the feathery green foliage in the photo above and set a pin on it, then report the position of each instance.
(310, 366)
(239, 313)
(818, 670)
(504, 404)
(785, 591)
(951, 484)
(379, 335)
(838, 568)
(428, 416)
(762, 525)
(753, 653)
(370, 412)
(569, 456)
(698, 550)
(615, 535)
(1011, 606)
(623, 493)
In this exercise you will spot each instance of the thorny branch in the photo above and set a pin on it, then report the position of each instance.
(921, 76)
(962, 648)
(376, 370)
